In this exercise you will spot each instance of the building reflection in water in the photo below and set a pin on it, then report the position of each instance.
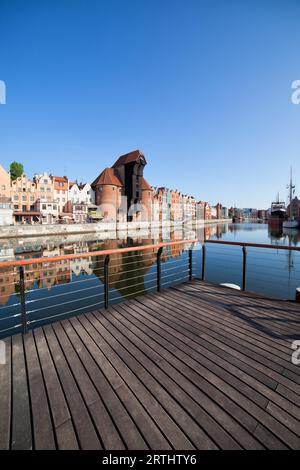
(129, 273)
(127, 270)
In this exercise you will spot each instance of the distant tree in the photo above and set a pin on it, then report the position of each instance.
(16, 170)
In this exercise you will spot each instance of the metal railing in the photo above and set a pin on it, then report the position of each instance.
(107, 269)
(36, 305)
(244, 246)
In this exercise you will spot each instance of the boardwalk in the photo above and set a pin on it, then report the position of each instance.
(195, 367)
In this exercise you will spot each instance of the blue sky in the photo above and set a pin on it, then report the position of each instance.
(202, 87)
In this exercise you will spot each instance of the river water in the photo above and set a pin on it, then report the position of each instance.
(59, 290)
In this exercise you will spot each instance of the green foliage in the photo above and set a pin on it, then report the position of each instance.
(16, 170)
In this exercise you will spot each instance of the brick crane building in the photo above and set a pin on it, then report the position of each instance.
(122, 190)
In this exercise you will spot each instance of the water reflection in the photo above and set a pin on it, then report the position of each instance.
(80, 281)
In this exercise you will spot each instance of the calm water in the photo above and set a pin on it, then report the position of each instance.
(59, 290)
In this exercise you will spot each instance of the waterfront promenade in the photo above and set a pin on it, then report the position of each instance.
(101, 228)
(196, 366)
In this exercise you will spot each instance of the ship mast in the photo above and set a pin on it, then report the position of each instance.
(291, 187)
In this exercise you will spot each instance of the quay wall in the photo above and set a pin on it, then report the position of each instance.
(21, 231)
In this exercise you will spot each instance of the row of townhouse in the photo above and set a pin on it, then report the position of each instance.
(45, 199)
(172, 205)
(120, 193)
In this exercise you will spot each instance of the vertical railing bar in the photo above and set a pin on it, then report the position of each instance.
(190, 264)
(23, 300)
(203, 261)
(244, 267)
(106, 281)
(158, 269)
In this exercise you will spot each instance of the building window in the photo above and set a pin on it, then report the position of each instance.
(24, 198)
(16, 197)
(44, 207)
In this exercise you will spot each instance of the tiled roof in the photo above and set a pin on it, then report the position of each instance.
(59, 178)
(128, 157)
(108, 176)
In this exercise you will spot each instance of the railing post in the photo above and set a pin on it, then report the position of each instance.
(23, 300)
(244, 267)
(190, 264)
(203, 261)
(158, 269)
(106, 281)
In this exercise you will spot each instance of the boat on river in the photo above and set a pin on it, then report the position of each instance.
(277, 213)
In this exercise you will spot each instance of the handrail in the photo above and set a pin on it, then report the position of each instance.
(255, 245)
(90, 254)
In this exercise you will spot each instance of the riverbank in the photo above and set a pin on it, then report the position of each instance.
(24, 231)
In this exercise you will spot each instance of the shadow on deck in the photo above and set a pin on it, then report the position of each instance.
(195, 367)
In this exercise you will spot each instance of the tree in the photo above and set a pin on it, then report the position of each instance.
(16, 170)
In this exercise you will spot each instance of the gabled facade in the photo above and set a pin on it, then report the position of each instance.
(61, 190)
(81, 193)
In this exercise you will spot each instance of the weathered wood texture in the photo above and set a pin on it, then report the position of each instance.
(195, 367)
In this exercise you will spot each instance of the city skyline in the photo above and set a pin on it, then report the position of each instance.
(214, 121)
(280, 194)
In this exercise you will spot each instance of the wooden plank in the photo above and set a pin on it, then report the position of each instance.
(268, 317)
(143, 347)
(176, 412)
(268, 393)
(251, 310)
(84, 428)
(227, 317)
(221, 333)
(197, 366)
(108, 432)
(41, 418)
(5, 399)
(64, 429)
(144, 421)
(234, 375)
(276, 427)
(117, 410)
(258, 307)
(222, 343)
(213, 318)
(21, 438)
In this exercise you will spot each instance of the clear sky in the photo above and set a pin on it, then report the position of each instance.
(202, 87)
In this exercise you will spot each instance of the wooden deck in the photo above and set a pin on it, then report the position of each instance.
(195, 367)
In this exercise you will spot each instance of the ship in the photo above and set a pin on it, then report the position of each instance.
(277, 212)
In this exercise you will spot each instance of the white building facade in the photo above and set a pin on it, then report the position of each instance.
(81, 193)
